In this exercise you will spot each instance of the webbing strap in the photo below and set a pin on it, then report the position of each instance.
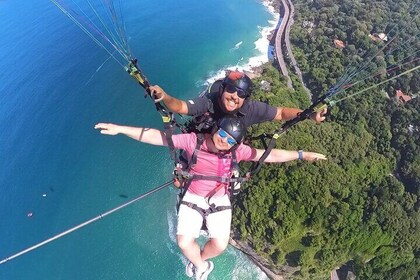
(184, 189)
(169, 129)
(200, 141)
(322, 102)
(168, 119)
(221, 179)
(305, 114)
(205, 212)
(187, 177)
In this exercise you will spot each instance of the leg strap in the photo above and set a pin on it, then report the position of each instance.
(205, 212)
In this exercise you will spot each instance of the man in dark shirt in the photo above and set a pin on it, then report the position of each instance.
(231, 97)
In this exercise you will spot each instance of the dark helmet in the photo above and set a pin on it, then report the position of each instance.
(232, 125)
(240, 81)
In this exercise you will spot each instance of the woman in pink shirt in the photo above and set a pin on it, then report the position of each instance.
(207, 196)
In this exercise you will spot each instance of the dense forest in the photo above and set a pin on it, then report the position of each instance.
(361, 207)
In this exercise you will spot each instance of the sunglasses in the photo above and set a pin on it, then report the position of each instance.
(224, 134)
(232, 89)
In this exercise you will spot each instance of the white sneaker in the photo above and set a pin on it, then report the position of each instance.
(202, 275)
(190, 269)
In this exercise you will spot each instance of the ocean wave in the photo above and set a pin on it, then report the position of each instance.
(261, 44)
(244, 268)
(237, 46)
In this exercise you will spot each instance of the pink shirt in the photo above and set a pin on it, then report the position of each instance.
(208, 164)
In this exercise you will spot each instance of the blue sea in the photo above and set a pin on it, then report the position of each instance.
(56, 171)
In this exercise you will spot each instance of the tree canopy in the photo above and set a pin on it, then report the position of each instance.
(362, 205)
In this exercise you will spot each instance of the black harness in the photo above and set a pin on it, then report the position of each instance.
(203, 123)
(183, 174)
(205, 212)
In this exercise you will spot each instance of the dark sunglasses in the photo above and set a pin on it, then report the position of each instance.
(232, 89)
(224, 134)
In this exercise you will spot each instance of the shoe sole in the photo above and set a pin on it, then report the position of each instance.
(206, 273)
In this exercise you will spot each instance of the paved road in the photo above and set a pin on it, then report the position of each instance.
(279, 41)
(289, 47)
(283, 36)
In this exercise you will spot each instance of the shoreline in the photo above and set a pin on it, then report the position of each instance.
(254, 63)
(259, 261)
(253, 69)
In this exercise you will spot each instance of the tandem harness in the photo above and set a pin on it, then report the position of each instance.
(182, 173)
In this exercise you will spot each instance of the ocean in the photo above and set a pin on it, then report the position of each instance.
(56, 171)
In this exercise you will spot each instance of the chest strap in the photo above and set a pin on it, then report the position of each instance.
(222, 179)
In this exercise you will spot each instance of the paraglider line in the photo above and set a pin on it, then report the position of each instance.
(100, 216)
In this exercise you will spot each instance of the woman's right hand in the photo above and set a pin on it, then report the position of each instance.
(108, 128)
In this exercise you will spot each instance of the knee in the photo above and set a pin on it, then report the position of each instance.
(184, 242)
(219, 244)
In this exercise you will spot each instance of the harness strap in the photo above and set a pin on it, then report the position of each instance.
(213, 191)
(169, 129)
(186, 178)
(205, 212)
(200, 140)
(234, 168)
(221, 179)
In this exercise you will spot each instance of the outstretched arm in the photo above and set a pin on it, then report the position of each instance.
(172, 103)
(145, 135)
(277, 155)
(286, 114)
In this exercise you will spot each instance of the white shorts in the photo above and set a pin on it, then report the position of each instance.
(190, 220)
